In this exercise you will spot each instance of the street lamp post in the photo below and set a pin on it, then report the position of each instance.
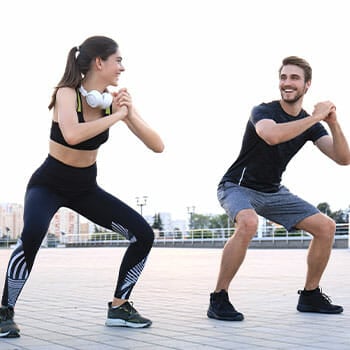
(141, 203)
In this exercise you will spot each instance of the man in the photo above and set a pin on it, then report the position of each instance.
(275, 132)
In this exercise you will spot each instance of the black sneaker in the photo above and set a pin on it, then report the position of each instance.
(317, 302)
(8, 328)
(220, 308)
(125, 316)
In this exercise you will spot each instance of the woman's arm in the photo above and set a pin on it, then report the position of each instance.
(137, 125)
(75, 132)
(144, 132)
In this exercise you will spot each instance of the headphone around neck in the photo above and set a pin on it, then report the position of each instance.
(95, 99)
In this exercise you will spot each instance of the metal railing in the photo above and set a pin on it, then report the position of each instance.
(198, 236)
(222, 234)
(205, 236)
(7, 242)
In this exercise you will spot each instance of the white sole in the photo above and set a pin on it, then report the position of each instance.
(117, 322)
(10, 334)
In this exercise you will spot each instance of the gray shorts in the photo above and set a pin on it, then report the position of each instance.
(282, 207)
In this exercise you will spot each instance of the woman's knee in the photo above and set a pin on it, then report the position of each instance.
(149, 236)
(33, 235)
(144, 235)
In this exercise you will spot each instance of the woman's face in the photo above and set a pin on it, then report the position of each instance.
(112, 68)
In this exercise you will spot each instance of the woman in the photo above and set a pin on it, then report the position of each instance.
(83, 112)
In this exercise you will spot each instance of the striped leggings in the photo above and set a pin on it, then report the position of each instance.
(56, 185)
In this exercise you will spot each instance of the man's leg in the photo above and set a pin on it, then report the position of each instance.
(236, 247)
(311, 298)
(232, 257)
(322, 229)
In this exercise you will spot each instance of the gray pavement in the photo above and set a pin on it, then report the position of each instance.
(64, 303)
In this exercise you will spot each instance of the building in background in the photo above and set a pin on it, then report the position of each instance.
(11, 220)
(167, 223)
(64, 222)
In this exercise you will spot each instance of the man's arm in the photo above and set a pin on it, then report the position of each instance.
(336, 146)
(274, 133)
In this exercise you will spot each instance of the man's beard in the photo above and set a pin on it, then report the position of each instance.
(292, 101)
(295, 99)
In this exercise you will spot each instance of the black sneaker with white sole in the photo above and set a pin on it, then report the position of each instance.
(220, 308)
(125, 315)
(316, 301)
(8, 328)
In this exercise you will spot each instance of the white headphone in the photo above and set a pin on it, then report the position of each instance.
(95, 99)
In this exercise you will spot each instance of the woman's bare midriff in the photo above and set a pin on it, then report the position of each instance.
(72, 157)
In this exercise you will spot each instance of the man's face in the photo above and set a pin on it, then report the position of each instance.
(292, 84)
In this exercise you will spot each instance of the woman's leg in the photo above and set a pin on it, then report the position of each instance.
(111, 213)
(39, 207)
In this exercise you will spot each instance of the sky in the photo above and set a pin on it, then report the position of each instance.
(195, 69)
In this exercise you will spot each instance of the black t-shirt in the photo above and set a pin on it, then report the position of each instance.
(260, 166)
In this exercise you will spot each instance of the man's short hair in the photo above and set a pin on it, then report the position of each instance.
(300, 62)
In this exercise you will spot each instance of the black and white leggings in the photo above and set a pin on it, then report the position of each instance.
(56, 185)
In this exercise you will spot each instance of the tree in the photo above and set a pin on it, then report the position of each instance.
(220, 221)
(340, 216)
(157, 222)
(324, 208)
(200, 221)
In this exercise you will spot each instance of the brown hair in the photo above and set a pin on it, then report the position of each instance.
(300, 62)
(79, 61)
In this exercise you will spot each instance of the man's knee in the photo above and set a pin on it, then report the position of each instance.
(327, 230)
(320, 226)
(247, 222)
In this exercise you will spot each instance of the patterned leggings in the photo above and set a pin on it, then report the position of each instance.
(56, 185)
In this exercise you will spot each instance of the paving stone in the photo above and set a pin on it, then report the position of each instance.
(64, 303)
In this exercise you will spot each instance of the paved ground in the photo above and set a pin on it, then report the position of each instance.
(64, 304)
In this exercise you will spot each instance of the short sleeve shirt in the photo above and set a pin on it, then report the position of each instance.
(260, 166)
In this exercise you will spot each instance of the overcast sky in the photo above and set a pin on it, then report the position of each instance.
(195, 69)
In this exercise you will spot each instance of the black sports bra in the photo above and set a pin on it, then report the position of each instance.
(90, 144)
